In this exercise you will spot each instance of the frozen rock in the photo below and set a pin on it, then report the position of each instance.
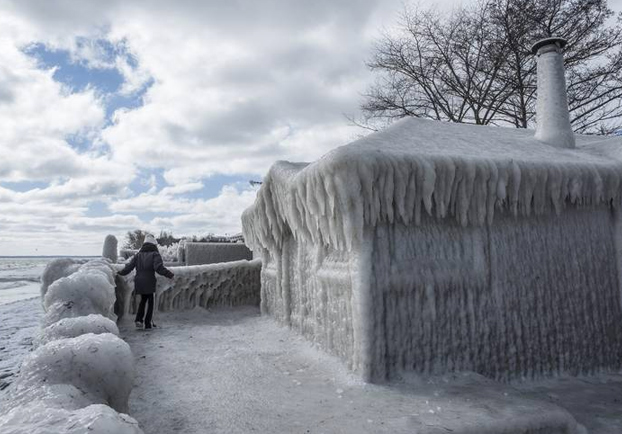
(74, 327)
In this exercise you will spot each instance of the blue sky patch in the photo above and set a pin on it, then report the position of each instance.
(96, 209)
(104, 78)
(213, 185)
(76, 76)
(146, 179)
(23, 186)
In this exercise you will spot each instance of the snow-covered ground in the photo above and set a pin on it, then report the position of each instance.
(234, 371)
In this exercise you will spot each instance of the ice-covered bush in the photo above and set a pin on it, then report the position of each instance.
(169, 253)
(100, 366)
(74, 327)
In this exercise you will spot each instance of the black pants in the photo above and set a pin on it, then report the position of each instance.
(145, 298)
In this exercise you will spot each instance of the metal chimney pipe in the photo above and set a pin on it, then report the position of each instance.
(552, 116)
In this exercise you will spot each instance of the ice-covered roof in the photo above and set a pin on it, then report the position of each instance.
(445, 169)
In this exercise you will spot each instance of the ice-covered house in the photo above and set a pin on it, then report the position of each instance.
(434, 247)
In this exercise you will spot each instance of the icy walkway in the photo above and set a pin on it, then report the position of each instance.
(233, 371)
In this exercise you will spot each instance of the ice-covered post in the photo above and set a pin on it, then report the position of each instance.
(552, 116)
(110, 248)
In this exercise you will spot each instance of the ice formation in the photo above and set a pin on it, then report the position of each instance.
(57, 268)
(434, 247)
(80, 378)
(110, 248)
(416, 167)
(100, 366)
(212, 253)
(181, 252)
(34, 418)
(224, 284)
(89, 290)
(553, 120)
(74, 327)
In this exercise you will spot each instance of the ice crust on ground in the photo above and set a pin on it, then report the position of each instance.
(252, 375)
(76, 326)
(234, 283)
(418, 166)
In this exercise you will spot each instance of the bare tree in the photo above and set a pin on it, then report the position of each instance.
(475, 64)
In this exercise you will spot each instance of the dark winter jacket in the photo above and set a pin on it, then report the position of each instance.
(147, 262)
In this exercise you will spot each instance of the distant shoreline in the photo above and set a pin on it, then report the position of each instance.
(48, 256)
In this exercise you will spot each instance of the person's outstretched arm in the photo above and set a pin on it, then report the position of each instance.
(129, 266)
(159, 267)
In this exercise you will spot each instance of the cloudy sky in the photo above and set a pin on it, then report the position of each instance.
(155, 114)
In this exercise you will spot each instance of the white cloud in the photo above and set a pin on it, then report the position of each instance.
(232, 87)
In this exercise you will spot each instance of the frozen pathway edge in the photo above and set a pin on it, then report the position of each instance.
(80, 376)
(231, 370)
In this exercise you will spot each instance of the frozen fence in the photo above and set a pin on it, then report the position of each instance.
(226, 284)
(79, 379)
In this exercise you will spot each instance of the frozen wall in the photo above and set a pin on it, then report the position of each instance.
(80, 377)
(212, 253)
(310, 289)
(521, 298)
(225, 284)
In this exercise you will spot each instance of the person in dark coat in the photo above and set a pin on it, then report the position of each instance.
(147, 262)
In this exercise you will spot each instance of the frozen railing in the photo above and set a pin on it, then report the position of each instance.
(225, 284)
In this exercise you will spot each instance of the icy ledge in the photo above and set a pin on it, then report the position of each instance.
(80, 378)
(460, 171)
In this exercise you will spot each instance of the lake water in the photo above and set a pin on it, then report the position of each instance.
(20, 277)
